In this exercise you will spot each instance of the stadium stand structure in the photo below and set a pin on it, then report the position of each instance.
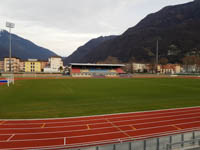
(95, 70)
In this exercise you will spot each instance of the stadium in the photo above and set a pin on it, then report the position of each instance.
(116, 116)
(135, 84)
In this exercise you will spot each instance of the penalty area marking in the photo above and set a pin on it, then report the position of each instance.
(10, 137)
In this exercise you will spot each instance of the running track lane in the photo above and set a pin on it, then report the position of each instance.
(94, 130)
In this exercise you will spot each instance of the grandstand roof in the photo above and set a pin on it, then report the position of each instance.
(88, 64)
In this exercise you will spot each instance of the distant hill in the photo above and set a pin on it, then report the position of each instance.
(22, 48)
(176, 27)
(81, 52)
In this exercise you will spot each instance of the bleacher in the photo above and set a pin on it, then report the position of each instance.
(89, 70)
(76, 70)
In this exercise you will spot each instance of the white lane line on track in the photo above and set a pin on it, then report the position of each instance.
(117, 122)
(10, 137)
(90, 143)
(132, 115)
(133, 137)
(120, 131)
(117, 127)
(111, 140)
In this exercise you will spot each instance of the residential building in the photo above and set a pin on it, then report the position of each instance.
(32, 65)
(43, 65)
(1, 66)
(22, 66)
(138, 67)
(169, 69)
(15, 64)
(55, 64)
(190, 68)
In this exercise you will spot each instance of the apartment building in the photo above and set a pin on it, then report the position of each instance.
(1, 66)
(55, 63)
(15, 64)
(32, 65)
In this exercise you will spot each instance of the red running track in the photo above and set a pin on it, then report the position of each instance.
(94, 130)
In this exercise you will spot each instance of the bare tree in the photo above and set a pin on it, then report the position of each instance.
(110, 60)
(163, 61)
(189, 60)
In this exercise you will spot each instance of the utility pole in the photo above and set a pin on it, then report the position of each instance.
(10, 26)
(157, 48)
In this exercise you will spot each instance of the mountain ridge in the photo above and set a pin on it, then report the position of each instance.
(176, 27)
(22, 48)
(82, 51)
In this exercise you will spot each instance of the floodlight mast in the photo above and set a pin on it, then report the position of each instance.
(10, 26)
(157, 49)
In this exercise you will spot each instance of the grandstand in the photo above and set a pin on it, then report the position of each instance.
(95, 70)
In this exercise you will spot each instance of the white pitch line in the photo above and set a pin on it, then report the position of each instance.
(10, 137)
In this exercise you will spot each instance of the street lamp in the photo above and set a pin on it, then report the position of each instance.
(10, 26)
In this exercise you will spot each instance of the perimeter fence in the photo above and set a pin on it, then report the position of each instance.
(183, 141)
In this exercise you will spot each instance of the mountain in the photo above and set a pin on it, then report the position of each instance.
(176, 27)
(22, 48)
(81, 52)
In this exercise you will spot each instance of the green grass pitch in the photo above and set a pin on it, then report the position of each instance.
(45, 98)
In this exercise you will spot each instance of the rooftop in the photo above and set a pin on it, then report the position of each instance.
(88, 64)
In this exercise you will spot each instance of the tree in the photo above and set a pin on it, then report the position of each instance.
(152, 66)
(163, 61)
(189, 61)
(198, 64)
(110, 60)
(60, 68)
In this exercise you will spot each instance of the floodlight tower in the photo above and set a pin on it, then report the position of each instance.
(157, 49)
(10, 26)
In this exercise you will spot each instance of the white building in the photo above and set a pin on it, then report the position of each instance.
(137, 67)
(55, 64)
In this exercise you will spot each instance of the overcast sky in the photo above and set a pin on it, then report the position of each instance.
(64, 25)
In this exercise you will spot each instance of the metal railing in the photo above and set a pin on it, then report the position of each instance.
(161, 142)
(184, 144)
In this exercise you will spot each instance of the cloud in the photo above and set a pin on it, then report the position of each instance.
(64, 25)
(70, 15)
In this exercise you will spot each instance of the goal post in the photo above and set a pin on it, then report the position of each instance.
(9, 79)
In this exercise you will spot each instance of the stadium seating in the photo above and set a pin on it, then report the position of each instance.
(75, 70)
(99, 70)
(119, 70)
(114, 71)
(86, 72)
